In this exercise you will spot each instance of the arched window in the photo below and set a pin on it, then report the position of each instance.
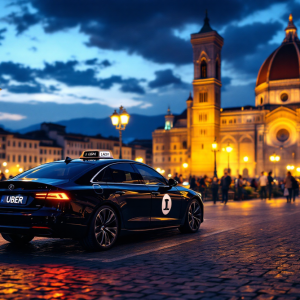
(217, 70)
(261, 101)
(184, 145)
(203, 70)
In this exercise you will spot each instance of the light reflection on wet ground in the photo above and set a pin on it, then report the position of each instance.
(61, 269)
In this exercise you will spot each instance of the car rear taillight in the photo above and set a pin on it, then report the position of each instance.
(52, 196)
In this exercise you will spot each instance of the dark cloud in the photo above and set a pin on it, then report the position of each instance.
(23, 20)
(142, 27)
(3, 30)
(24, 88)
(94, 62)
(165, 78)
(243, 40)
(64, 72)
(226, 81)
(132, 85)
(91, 62)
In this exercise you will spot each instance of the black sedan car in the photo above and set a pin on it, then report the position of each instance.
(94, 199)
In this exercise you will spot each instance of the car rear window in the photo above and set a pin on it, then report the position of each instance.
(56, 171)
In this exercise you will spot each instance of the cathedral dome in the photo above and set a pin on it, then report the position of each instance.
(284, 62)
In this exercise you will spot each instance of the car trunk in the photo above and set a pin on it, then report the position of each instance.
(19, 195)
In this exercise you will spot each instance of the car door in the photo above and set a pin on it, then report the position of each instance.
(166, 200)
(133, 197)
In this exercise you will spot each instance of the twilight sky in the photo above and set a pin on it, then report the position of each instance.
(64, 59)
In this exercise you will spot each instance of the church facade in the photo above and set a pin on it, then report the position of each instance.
(249, 139)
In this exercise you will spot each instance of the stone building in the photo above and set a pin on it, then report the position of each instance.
(253, 133)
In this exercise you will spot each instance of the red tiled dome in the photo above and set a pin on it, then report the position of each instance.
(283, 63)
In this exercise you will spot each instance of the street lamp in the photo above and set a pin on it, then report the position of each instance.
(214, 148)
(228, 150)
(185, 165)
(246, 158)
(274, 158)
(139, 159)
(290, 168)
(120, 120)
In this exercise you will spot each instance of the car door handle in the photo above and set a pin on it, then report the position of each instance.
(119, 192)
(155, 193)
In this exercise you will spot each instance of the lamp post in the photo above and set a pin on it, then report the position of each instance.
(214, 148)
(274, 158)
(228, 150)
(120, 120)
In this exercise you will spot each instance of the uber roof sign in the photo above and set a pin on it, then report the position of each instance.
(95, 154)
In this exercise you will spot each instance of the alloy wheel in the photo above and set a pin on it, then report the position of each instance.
(194, 215)
(106, 227)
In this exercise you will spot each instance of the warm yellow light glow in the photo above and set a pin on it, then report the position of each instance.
(158, 170)
(229, 149)
(298, 169)
(4, 164)
(18, 166)
(246, 158)
(21, 170)
(139, 159)
(6, 171)
(170, 175)
(275, 158)
(292, 167)
(185, 165)
(288, 167)
(162, 171)
(124, 117)
(290, 18)
(214, 146)
(115, 119)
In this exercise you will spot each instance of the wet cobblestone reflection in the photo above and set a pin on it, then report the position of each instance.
(256, 259)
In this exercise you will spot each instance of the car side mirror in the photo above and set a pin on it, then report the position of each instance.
(172, 182)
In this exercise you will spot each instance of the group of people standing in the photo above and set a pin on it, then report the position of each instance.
(290, 186)
(199, 184)
(266, 185)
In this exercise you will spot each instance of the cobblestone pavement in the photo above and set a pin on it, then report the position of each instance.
(244, 250)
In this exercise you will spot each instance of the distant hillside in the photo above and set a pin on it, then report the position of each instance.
(139, 127)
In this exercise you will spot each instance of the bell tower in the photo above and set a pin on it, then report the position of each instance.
(205, 108)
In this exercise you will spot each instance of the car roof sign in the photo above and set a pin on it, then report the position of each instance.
(96, 155)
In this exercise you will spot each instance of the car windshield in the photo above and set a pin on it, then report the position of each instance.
(56, 171)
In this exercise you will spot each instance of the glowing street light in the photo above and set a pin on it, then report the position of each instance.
(274, 158)
(290, 168)
(228, 150)
(246, 158)
(298, 169)
(185, 165)
(214, 149)
(6, 171)
(21, 170)
(139, 159)
(120, 120)
(4, 164)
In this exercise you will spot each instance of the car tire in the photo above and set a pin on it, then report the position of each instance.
(19, 239)
(193, 218)
(103, 231)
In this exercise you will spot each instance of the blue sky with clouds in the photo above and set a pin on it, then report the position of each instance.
(63, 59)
